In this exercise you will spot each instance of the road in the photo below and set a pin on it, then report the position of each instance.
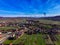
(5, 36)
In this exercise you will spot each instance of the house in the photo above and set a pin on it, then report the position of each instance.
(0, 34)
(2, 24)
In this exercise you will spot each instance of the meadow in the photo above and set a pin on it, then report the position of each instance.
(34, 39)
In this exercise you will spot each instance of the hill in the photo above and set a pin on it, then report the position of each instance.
(55, 18)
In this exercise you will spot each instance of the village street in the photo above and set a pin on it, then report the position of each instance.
(4, 37)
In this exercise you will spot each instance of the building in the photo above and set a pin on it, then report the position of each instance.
(0, 34)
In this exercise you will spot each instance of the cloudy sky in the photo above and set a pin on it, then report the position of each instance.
(32, 8)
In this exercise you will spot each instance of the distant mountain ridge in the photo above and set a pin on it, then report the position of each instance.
(55, 18)
(9, 18)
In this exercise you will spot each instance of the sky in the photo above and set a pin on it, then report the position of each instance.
(29, 8)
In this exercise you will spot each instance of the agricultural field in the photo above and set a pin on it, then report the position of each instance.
(58, 41)
(34, 39)
(8, 41)
(6, 28)
(45, 21)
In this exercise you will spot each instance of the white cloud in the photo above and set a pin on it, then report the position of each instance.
(33, 15)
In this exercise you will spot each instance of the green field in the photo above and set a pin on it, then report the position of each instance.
(58, 41)
(8, 41)
(35, 39)
(7, 28)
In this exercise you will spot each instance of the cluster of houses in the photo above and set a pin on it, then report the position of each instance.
(3, 24)
(13, 33)
(33, 26)
(30, 27)
(36, 27)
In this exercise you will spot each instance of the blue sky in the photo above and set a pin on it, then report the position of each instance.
(32, 8)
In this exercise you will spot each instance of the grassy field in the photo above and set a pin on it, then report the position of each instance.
(8, 41)
(35, 39)
(45, 21)
(58, 41)
(7, 28)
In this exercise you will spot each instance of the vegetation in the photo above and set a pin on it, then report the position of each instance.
(49, 21)
(58, 41)
(34, 39)
(6, 28)
(35, 30)
(8, 41)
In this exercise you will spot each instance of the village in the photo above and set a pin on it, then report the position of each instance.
(30, 27)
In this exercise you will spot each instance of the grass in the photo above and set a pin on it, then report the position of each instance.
(8, 41)
(58, 41)
(6, 28)
(45, 21)
(35, 39)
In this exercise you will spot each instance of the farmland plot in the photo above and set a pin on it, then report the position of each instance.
(58, 41)
(34, 39)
